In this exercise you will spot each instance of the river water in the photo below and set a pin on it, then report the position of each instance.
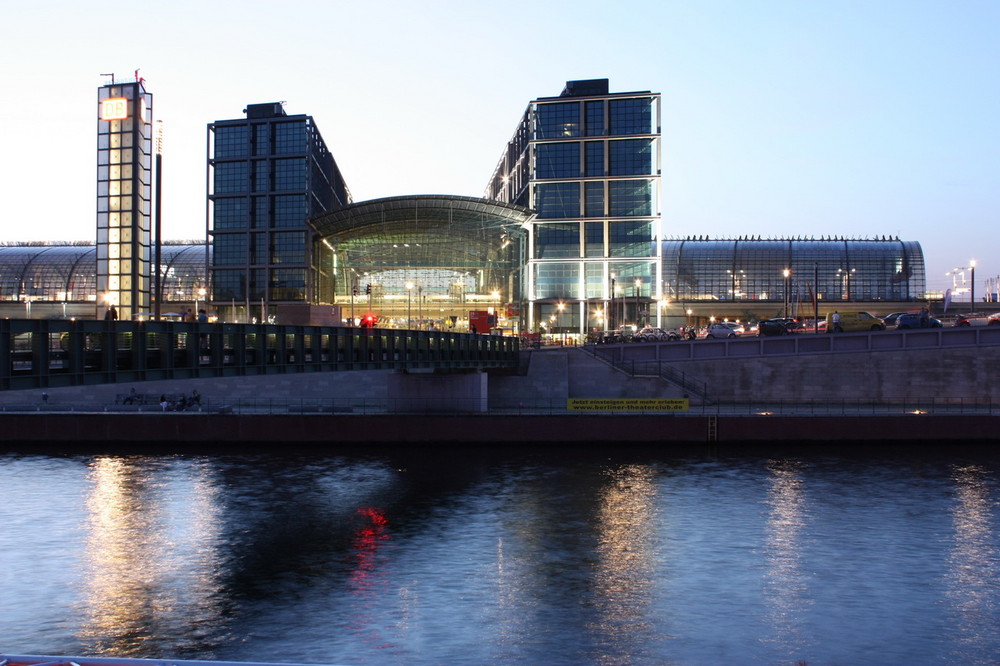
(523, 556)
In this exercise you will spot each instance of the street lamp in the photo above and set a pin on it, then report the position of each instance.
(787, 273)
(560, 307)
(972, 292)
(409, 293)
(638, 288)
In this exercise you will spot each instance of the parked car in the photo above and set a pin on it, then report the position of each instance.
(809, 326)
(651, 334)
(776, 326)
(853, 321)
(890, 319)
(737, 328)
(914, 320)
(973, 319)
(719, 331)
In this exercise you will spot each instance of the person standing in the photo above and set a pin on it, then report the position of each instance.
(835, 320)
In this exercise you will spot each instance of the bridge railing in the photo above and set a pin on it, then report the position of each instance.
(40, 353)
(788, 345)
(363, 406)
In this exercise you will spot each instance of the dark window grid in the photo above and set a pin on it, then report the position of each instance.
(593, 199)
(594, 159)
(261, 176)
(288, 248)
(230, 177)
(557, 121)
(633, 157)
(229, 213)
(630, 239)
(290, 174)
(557, 241)
(630, 198)
(556, 200)
(261, 145)
(287, 284)
(631, 116)
(228, 285)
(290, 137)
(229, 250)
(261, 214)
(557, 160)
(231, 141)
(258, 249)
(289, 211)
(595, 118)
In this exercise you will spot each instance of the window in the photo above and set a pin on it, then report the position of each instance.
(631, 116)
(231, 141)
(630, 239)
(594, 199)
(557, 240)
(230, 213)
(261, 176)
(557, 121)
(595, 118)
(632, 157)
(557, 160)
(557, 280)
(594, 241)
(557, 200)
(288, 247)
(229, 250)
(595, 158)
(288, 284)
(289, 210)
(228, 285)
(630, 198)
(290, 138)
(290, 174)
(260, 139)
(230, 177)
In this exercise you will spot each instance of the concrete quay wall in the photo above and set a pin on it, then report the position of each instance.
(183, 431)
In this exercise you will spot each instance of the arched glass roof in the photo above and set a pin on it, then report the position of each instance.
(392, 239)
(66, 273)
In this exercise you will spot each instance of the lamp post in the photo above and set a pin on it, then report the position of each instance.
(560, 307)
(638, 288)
(972, 290)
(409, 303)
(611, 309)
(420, 308)
(787, 273)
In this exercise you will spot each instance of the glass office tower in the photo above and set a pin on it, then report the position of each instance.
(588, 162)
(268, 174)
(124, 193)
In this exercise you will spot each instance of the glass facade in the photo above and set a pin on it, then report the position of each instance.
(124, 196)
(270, 174)
(588, 163)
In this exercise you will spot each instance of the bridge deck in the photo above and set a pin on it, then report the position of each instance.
(41, 353)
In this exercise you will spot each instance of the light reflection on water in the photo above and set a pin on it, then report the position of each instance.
(501, 559)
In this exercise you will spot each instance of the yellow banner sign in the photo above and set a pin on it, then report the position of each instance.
(627, 404)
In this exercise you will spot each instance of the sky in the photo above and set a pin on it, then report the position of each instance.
(780, 118)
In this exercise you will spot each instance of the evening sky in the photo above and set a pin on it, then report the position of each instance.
(781, 118)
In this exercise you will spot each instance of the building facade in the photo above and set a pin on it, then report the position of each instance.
(268, 174)
(124, 198)
(588, 163)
